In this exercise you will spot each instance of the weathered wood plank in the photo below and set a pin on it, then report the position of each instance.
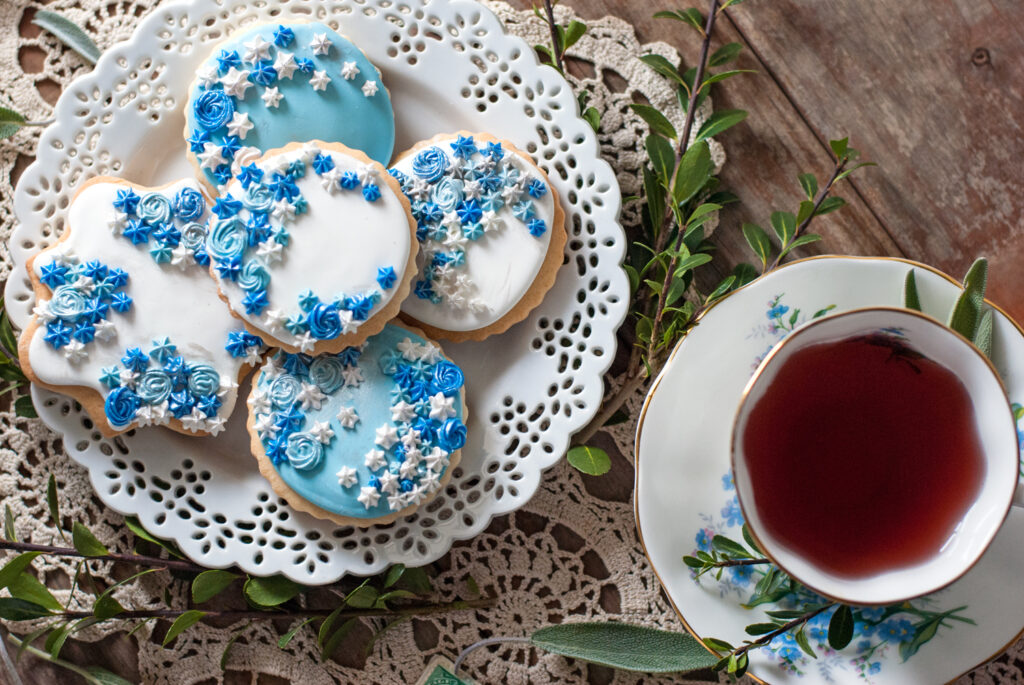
(933, 92)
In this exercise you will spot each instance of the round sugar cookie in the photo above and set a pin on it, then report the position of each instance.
(272, 84)
(363, 436)
(313, 247)
(491, 234)
(127, 320)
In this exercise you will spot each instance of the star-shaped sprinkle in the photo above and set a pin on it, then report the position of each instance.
(236, 82)
(216, 425)
(388, 483)
(407, 469)
(207, 75)
(352, 375)
(441, 407)
(271, 96)
(194, 421)
(265, 426)
(105, 330)
(368, 497)
(348, 325)
(322, 431)
(408, 349)
(348, 417)
(437, 459)
(256, 49)
(349, 70)
(386, 436)
(430, 481)
(310, 396)
(375, 459)
(370, 89)
(270, 252)
(75, 351)
(396, 502)
(402, 412)
(285, 65)
(329, 180)
(319, 80)
(240, 125)
(210, 157)
(320, 44)
(274, 319)
(347, 477)
(305, 342)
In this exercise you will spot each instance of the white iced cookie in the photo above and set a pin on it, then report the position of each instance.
(313, 247)
(126, 320)
(491, 234)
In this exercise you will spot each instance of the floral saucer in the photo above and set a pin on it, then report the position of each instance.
(685, 495)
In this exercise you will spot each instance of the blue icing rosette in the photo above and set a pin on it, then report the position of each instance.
(364, 433)
(260, 90)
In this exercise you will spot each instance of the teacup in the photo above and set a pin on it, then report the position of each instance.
(883, 349)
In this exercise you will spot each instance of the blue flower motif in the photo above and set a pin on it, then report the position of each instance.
(296, 324)
(277, 449)
(896, 630)
(54, 274)
(121, 302)
(167, 234)
(523, 210)
(473, 231)
(213, 109)
(222, 174)
(229, 145)
(322, 163)
(703, 540)
(464, 147)
(94, 269)
(248, 174)
(536, 227)
(349, 180)
(493, 150)
(874, 667)
(283, 36)
(371, 193)
(742, 574)
(58, 333)
(181, 403)
(127, 201)
(469, 211)
(386, 277)
(137, 232)
(161, 253)
(263, 73)
(727, 482)
(872, 614)
(536, 188)
(255, 301)
(135, 359)
(307, 300)
(226, 206)
(237, 344)
(306, 65)
(110, 376)
(777, 311)
(360, 306)
(84, 332)
(209, 404)
(227, 59)
(423, 290)
(283, 187)
(230, 268)
(197, 142)
(732, 514)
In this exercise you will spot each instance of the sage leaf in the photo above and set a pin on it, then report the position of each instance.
(69, 33)
(15, 567)
(183, 623)
(983, 336)
(840, 628)
(209, 584)
(658, 122)
(810, 185)
(52, 503)
(27, 587)
(695, 168)
(759, 242)
(624, 646)
(10, 122)
(14, 609)
(592, 461)
(101, 676)
(24, 408)
(287, 637)
(966, 314)
(335, 639)
(270, 591)
(86, 543)
(663, 159)
(725, 54)
(720, 121)
(718, 645)
(655, 199)
(363, 597)
(911, 300)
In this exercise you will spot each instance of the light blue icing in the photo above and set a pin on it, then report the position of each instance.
(372, 400)
(338, 113)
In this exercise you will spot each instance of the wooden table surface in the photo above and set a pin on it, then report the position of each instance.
(931, 91)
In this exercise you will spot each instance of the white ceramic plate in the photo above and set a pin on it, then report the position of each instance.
(684, 493)
(448, 66)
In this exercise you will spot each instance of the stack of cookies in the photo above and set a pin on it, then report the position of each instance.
(296, 253)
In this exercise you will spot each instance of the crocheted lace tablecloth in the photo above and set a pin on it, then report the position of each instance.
(571, 553)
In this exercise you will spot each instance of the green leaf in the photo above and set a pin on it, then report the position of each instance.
(183, 623)
(691, 17)
(922, 634)
(695, 168)
(830, 204)
(335, 639)
(10, 122)
(394, 575)
(27, 640)
(663, 67)
(725, 54)
(662, 157)
(623, 646)
(744, 273)
(323, 631)
(9, 532)
(805, 239)
(784, 224)
(749, 539)
(416, 580)
(102, 676)
(209, 584)
(69, 33)
(270, 591)
(761, 628)
(287, 637)
(7, 337)
(362, 597)
(15, 567)
(966, 314)
(722, 75)
(839, 147)
(849, 171)
(720, 121)
(718, 645)
(106, 607)
(56, 639)
(135, 527)
(656, 120)
(810, 185)
(14, 609)
(983, 336)
(86, 543)
(726, 546)
(803, 643)
(633, 276)
(51, 501)
(692, 262)
(592, 461)
(805, 212)
(759, 242)
(593, 117)
(28, 587)
(654, 196)
(227, 650)
(573, 32)
(840, 628)
(24, 408)
(911, 300)
(382, 601)
(721, 289)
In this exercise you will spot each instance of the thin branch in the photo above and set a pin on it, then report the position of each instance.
(822, 194)
(137, 559)
(556, 44)
(727, 563)
(784, 628)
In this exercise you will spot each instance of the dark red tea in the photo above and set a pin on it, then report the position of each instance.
(863, 455)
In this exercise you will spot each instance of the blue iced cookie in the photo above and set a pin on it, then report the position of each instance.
(270, 85)
(363, 436)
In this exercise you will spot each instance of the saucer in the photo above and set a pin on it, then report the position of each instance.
(685, 495)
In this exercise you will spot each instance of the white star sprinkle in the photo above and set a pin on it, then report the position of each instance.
(216, 425)
(419, 190)
(348, 325)
(490, 221)
(144, 415)
(437, 459)
(240, 125)
(309, 151)
(369, 89)
(368, 497)
(408, 349)
(285, 65)
(319, 80)
(282, 211)
(274, 318)
(347, 477)
(128, 377)
(375, 459)
(236, 82)
(407, 469)
(194, 421)
(264, 426)
(271, 97)
(181, 257)
(396, 502)
(207, 75)
(105, 330)
(388, 483)
(305, 342)
(387, 435)
(329, 180)
(42, 311)
(348, 417)
(349, 70)
(259, 401)
(271, 252)
(322, 431)
(320, 44)
(159, 414)
(84, 284)
(472, 190)
(352, 375)
(226, 386)
(117, 223)
(256, 49)
(441, 407)
(210, 157)
(431, 481)
(253, 355)
(75, 351)
(402, 412)
(367, 174)
(311, 397)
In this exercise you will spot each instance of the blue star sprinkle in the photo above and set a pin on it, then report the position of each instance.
(386, 276)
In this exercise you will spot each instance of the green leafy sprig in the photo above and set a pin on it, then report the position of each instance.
(970, 317)
(11, 376)
(563, 38)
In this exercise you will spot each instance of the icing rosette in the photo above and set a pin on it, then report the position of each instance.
(127, 319)
(260, 91)
(312, 246)
(490, 231)
(364, 435)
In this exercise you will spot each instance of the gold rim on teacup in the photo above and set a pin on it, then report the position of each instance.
(991, 528)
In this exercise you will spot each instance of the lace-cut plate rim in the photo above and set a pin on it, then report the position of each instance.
(529, 389)
(680, 493)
